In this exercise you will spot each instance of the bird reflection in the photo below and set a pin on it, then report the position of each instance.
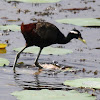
(33, 83)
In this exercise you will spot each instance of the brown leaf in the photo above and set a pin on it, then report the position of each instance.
(85, 8)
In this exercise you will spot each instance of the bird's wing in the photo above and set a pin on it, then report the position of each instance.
(47, 31)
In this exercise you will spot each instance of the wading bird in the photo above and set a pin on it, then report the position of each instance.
(43, 34)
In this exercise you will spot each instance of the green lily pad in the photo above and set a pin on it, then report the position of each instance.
(46, 50)
(85, 82)
(4, 61)
(52, 95)
(37, 1)
(81, 21)
(10, 27)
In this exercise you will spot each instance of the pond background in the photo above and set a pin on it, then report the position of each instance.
(83, 56)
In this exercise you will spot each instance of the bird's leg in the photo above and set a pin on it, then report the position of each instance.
(17, 56)
(36, 60)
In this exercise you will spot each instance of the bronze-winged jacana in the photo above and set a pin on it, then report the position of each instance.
(43, 34)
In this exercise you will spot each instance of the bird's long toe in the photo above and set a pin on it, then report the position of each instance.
(38, 65)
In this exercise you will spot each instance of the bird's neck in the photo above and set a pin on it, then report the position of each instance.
(67, 39)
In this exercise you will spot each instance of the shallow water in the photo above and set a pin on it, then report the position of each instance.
(24, 78)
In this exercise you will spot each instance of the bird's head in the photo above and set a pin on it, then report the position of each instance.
(76, 34)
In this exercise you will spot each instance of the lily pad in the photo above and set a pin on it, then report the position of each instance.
(52, 95)
(81, 21)
(37, 1)
(85, 82)
(46, 50)
(10, 27)
(4, 61)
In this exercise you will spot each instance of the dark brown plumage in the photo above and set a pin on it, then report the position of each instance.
(43, 34)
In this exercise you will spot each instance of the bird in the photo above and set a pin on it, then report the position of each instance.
(43, 34)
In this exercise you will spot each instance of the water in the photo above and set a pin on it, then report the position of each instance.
(25, 77)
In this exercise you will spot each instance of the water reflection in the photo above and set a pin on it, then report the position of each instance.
(28, 81)
(37, 79)
(2, 51)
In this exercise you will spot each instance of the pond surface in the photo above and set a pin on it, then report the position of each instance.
(83, 56)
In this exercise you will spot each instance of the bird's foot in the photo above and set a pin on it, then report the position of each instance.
(14, 68)
(37, 65)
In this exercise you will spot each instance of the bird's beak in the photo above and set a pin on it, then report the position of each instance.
(82, 40)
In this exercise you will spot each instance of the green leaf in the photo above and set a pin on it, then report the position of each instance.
(85, 82)
(81, 21)
(4, 61)
(46, 50)
(10, 27)
(37, 1)
(52, 95)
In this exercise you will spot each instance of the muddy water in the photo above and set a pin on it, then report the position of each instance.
(83, 56)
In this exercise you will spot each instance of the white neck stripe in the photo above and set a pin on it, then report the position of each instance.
(74, 32)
